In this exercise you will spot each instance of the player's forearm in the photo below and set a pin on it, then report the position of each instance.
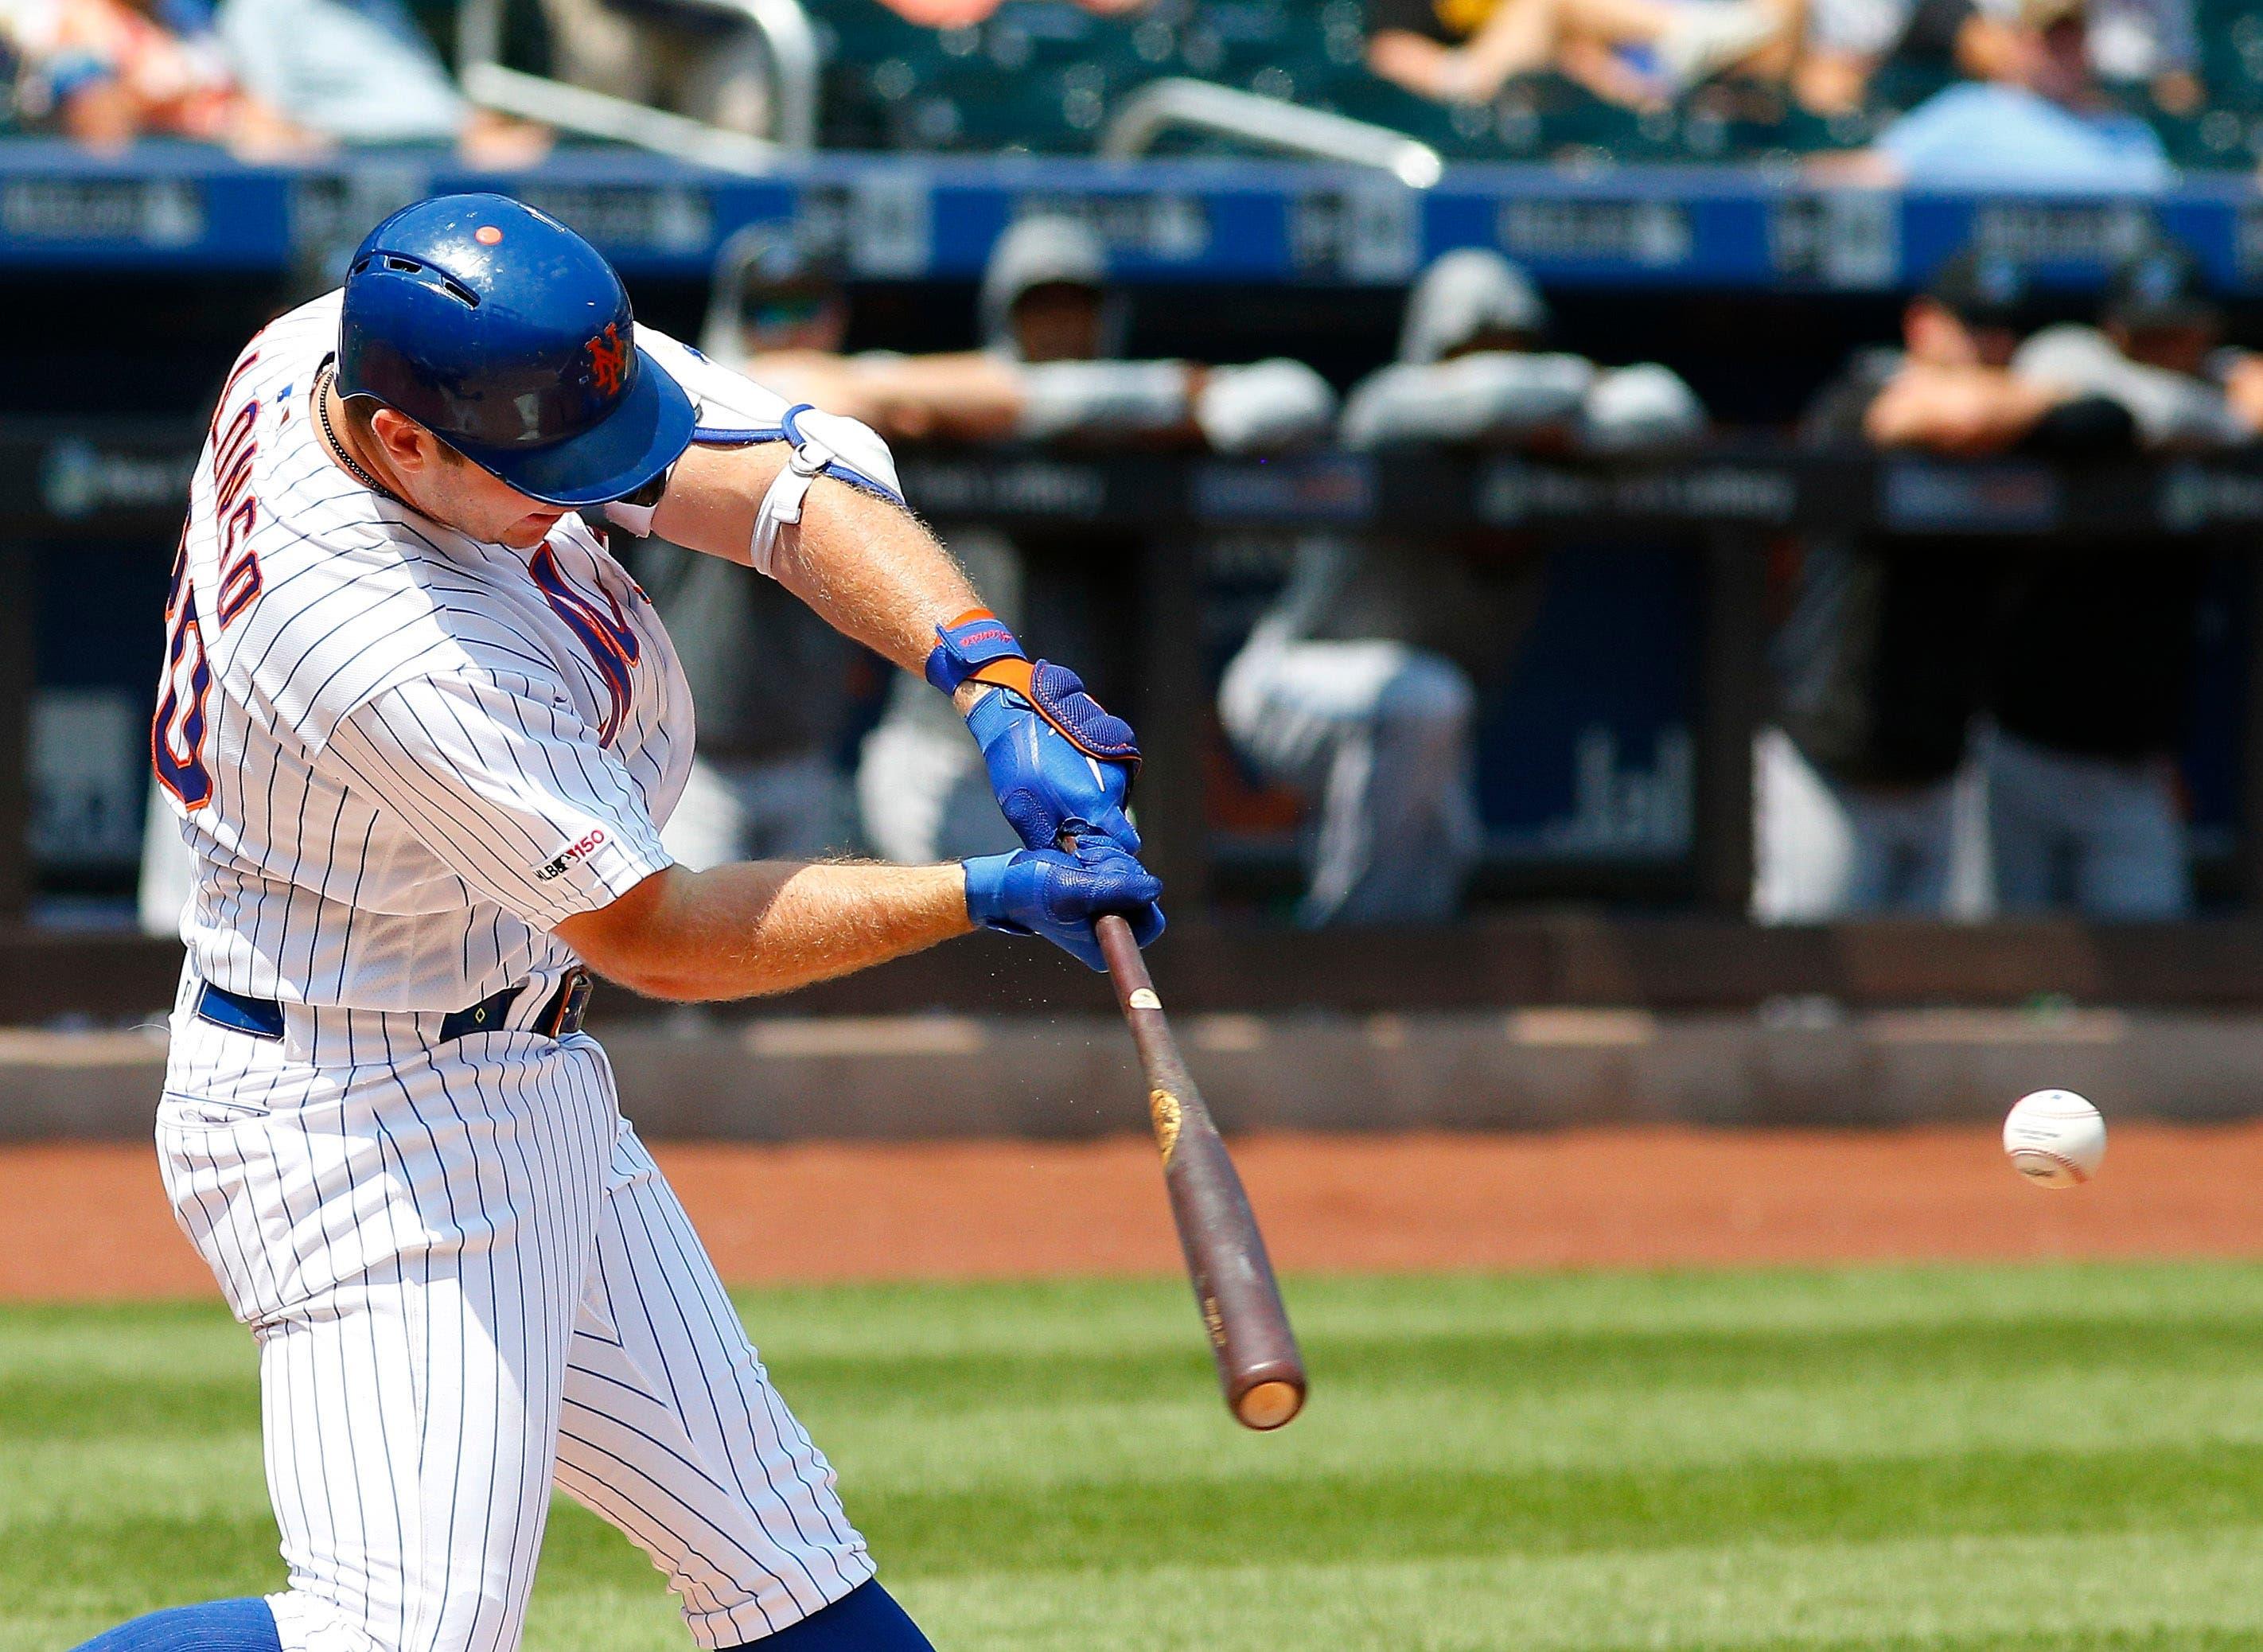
(746, 929)
(872, 571)
(970, 397)
(1971, 410)
(818, 377)
(868, 567)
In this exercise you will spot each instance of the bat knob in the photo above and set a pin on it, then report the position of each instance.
(1270, 1405)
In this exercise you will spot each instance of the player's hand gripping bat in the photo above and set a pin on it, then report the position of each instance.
(1258, 1364)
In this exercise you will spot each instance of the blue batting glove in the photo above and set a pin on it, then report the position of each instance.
(1059, 763)
(1044, 782)
(1057, 893)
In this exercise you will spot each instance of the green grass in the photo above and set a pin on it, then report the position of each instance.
(1965, 1460)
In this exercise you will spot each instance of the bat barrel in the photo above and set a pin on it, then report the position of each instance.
(1259, 1365)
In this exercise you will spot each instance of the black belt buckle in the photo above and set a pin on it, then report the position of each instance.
(563, 1015)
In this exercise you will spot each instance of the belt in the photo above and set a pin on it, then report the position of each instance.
(562, 1014)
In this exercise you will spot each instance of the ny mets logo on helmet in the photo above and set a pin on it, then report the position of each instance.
(608, 360)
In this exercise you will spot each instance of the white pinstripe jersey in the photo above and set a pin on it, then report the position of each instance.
(401, 756)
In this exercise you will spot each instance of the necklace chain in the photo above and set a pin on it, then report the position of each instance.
(323, 382)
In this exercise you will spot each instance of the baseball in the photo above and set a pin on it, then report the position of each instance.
(2054, 1138)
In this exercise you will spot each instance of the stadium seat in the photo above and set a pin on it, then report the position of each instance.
(1036, 75)
(525, 32)
(1042, 75)
(2232, 54)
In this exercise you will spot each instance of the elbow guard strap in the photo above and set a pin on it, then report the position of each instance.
(824, 444)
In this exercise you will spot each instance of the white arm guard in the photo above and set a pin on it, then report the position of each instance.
(2171, 410)
(824, 444)
(1500, 397)
(1639, 410)
(735, 411)
(1102, 398)
(1265, 408)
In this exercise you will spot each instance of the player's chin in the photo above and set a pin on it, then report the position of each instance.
(531, 529)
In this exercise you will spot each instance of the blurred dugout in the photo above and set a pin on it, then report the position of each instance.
(1966, 727)
(1358, 689)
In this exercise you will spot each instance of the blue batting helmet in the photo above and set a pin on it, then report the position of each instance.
(507, 336)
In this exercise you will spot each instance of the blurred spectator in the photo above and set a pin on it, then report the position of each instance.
(704, 62)
(2079, 649)
(776, 302)
(2155, 351)
(1635, 52)
(107, 72)
(2095, 647)
(2041, 121)
(695, 61)
(1469, 372)
(2151, 45)
(1864, 801)
(2240, 375)
(1052, 326)
(1046, 376)
(776, 696)
(1847, 42)
(920, 791)
(769, 779)
(1358, 689)
(780, 309)
(361, 71)
(2148, 46)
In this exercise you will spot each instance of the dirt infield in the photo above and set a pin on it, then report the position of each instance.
(89, 1221)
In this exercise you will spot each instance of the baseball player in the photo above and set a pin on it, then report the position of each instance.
(421, 732)
(1359, 689)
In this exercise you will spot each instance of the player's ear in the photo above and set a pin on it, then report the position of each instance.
(406, 444)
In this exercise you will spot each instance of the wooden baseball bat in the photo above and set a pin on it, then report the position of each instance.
(1258, 1363)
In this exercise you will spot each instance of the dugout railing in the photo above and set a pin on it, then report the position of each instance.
(1732, 504)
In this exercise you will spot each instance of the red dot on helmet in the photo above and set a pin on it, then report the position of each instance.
(487, 235)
